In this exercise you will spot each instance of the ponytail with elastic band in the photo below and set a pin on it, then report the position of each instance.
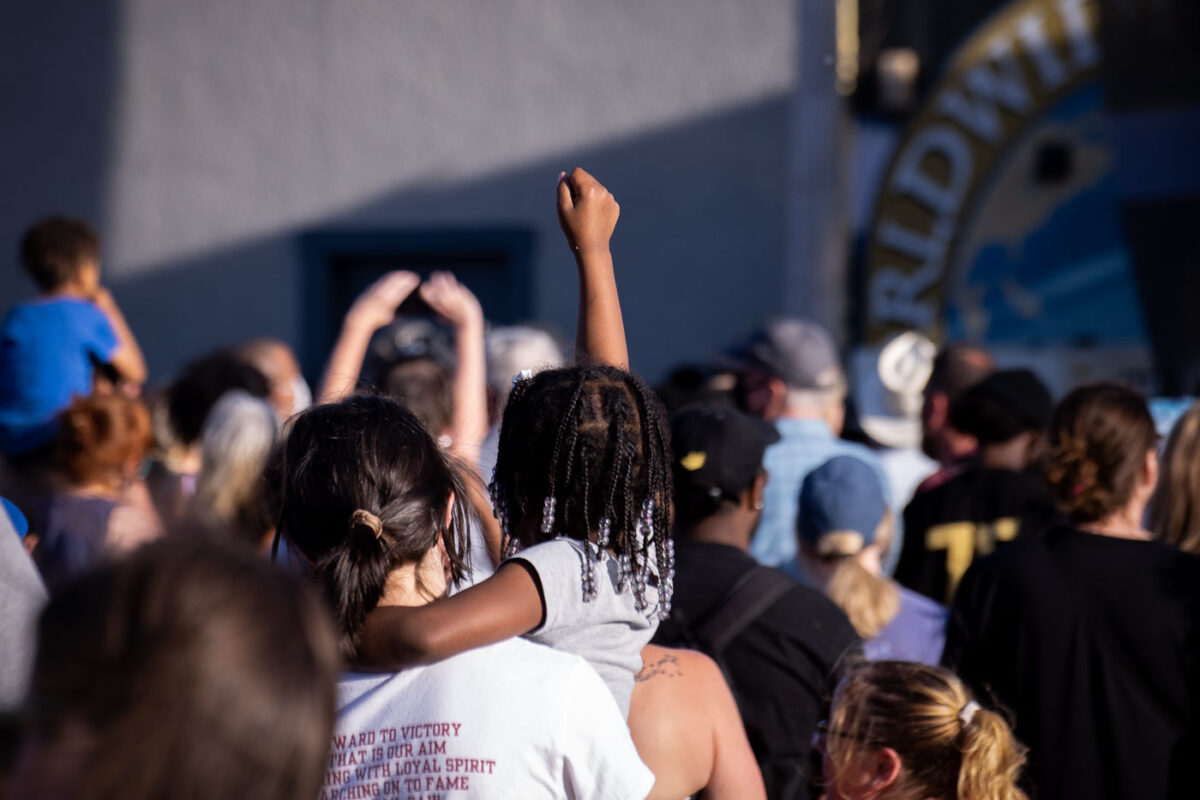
(362, 518)
(967, 713)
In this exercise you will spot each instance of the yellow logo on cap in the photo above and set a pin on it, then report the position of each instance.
(693, 461)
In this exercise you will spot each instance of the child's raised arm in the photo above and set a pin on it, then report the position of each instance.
(507, 604)
(588, 214)
(373, 309)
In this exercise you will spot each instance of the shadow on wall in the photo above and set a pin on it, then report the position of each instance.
(699, 248)
(58, 61)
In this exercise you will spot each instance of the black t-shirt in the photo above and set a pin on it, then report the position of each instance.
(967, 517)
(1092, 642)
(782, 668)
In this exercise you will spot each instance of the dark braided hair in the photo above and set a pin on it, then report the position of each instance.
(596, 440)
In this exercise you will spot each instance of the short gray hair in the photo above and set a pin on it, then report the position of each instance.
(515, 348)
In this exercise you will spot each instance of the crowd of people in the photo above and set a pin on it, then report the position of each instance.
(471, 566)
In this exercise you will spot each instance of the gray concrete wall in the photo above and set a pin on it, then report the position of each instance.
(204, 135)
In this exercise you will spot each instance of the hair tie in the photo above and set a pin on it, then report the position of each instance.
(967, 712)
(367, 520)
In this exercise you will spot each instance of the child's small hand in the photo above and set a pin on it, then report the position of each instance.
(377, 306)
(587, 212)
(451, 299)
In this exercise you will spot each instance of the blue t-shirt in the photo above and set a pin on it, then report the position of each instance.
(916, 633)
(48, 348)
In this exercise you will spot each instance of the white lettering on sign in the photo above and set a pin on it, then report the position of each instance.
(953, 143)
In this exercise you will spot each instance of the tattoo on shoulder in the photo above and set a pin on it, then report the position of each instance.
(667, 666)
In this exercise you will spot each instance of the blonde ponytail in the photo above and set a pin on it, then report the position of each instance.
(871, 602)
(991, 759)
(949, 747)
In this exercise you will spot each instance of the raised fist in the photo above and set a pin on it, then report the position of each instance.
(587, 211)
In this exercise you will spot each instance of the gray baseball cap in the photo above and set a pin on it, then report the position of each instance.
(798, 352)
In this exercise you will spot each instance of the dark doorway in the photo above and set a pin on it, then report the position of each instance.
(495, 264)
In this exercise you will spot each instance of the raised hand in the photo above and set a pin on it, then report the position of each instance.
(451, 299)
(587, 212)
(588, 215)
(377, 305)
(373, 309)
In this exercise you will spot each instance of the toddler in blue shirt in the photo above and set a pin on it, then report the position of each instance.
(51, 345)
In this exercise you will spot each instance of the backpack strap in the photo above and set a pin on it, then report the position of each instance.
(751, 594)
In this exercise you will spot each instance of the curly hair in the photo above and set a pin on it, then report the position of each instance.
(949, 747)
(100, 437)
(1099, 437)
(585, 453)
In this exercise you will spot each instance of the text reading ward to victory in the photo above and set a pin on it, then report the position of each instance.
(409, 762)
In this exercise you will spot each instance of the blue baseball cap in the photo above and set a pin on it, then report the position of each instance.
(841, 506)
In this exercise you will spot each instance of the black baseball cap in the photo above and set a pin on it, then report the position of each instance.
(718, 449)
(1002, 406)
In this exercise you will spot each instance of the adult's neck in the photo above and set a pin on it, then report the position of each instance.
(1125, 523)
(415, 583)
(733, 528)
(107, 489)
(804, 414)
(1011, 455)
(953, 447)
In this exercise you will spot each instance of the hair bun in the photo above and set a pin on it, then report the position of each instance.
(365, 519)
(1073, 474)
(1098, 441)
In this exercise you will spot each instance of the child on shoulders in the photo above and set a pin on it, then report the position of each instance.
(51, 346)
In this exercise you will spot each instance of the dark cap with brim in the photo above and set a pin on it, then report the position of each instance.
(718, 450)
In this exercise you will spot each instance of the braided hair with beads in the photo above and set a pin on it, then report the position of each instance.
(585, 453)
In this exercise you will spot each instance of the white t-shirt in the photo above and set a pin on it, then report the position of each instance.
(511, 720)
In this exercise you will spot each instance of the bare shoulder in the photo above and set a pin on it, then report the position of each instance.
(665, 663)
(671, 662)
(671, 720)
(687, 729)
